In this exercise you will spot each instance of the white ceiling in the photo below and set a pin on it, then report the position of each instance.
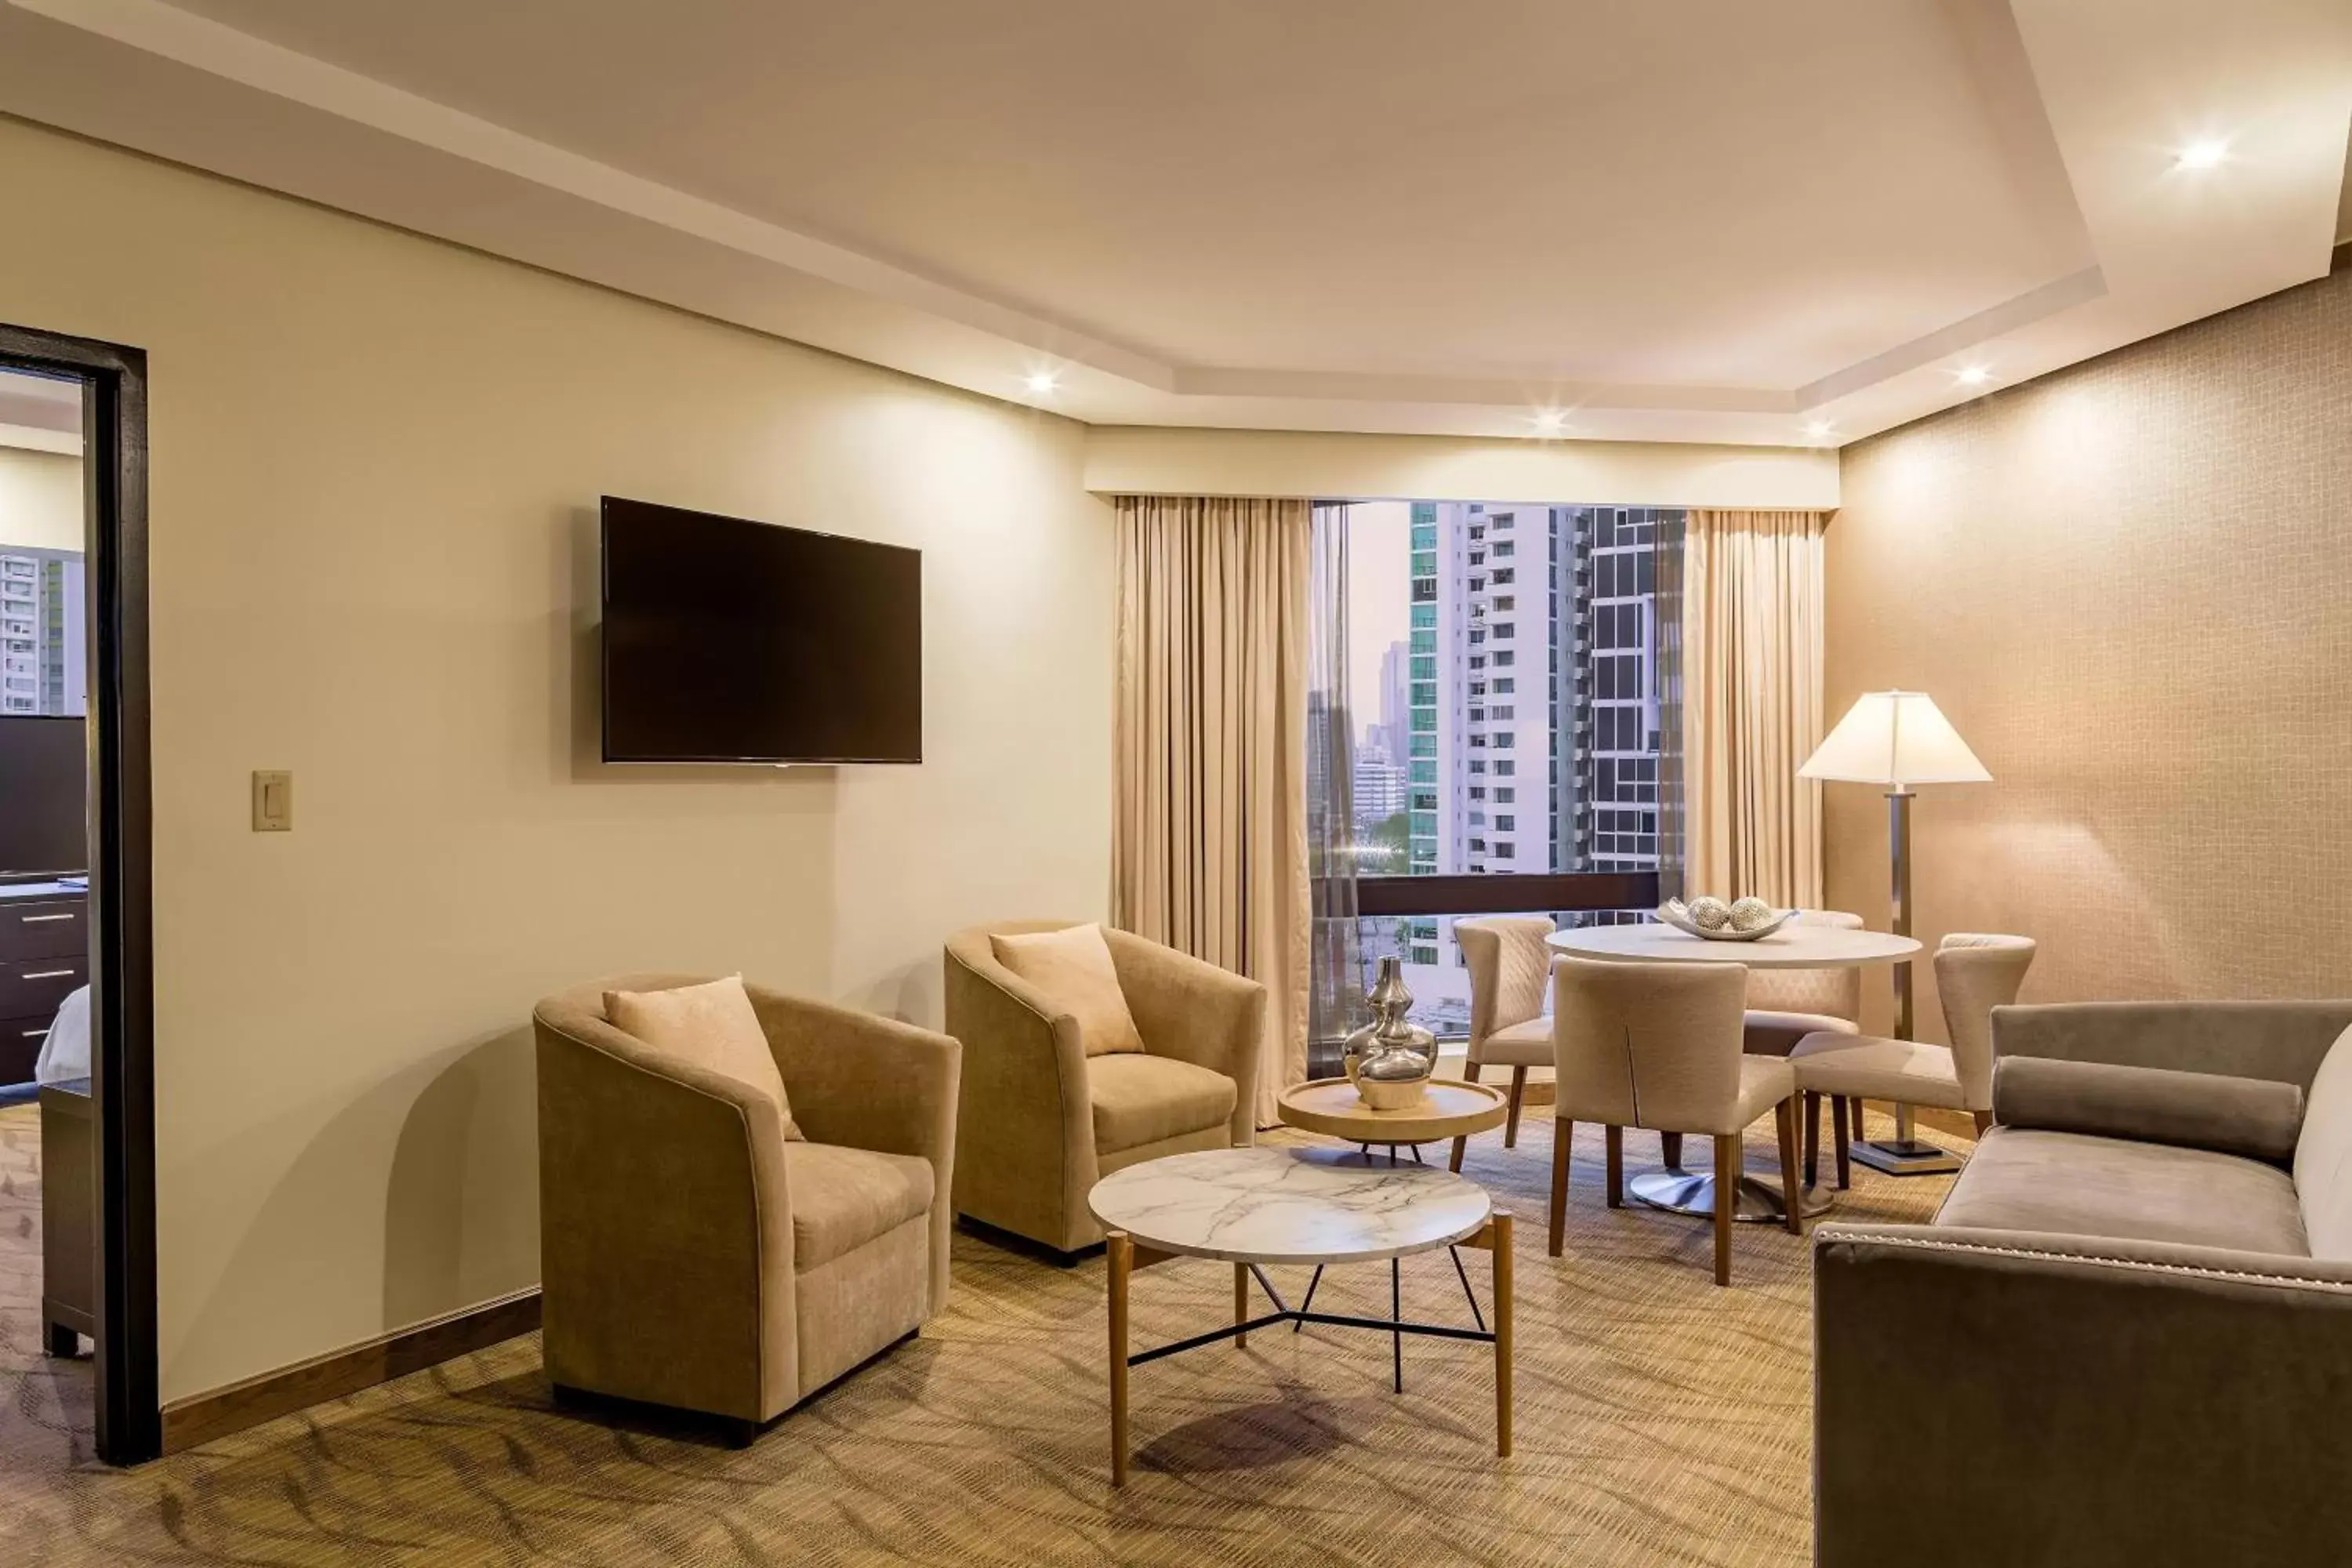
(1708, 220)
(42, 414)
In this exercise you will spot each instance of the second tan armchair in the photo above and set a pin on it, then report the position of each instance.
(1042, 1121)
(693, 1253)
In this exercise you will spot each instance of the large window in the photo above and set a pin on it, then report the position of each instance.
(1506, 717)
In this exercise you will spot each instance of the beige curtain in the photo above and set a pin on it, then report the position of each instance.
(1208, 827)
(1752, 703)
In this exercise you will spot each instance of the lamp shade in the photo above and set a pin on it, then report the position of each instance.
(1895, 737)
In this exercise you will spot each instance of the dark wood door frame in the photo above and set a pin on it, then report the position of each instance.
(122, 961)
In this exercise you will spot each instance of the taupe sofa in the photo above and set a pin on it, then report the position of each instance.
(1042, 1121)
(2127, 1336)
(691, 1256)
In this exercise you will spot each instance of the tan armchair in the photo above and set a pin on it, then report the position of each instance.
(1658, 1046)
(1042, 1121)
(691, 1255)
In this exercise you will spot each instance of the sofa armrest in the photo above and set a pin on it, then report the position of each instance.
(871, 1082)
(2256, 1117)
(662, 1200)
(1193, 1011)
(2281, 1040)
(2077, 1401)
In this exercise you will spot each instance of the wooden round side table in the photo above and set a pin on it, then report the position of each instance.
(1449, 1110)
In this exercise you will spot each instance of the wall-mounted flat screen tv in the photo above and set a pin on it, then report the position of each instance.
(730, 641)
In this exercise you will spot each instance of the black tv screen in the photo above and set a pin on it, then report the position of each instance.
(729, 641)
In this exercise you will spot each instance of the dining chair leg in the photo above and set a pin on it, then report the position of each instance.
(1838, 1129)
(1563, 1133)
(1669, 1150)
(1792, 1189)
(1853, 1118)
(1812, 1137)
(1518, 1097)
(1727, 1201)
(1616, 1166)
(1984, 1121)
(1470, 1071)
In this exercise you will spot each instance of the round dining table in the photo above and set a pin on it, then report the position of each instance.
(1794, 946)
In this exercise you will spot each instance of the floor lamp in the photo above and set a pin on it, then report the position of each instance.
(1897, 739)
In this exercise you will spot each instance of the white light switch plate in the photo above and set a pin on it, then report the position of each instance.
(273, 801)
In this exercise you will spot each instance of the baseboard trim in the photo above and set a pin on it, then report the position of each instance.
(204, 1417)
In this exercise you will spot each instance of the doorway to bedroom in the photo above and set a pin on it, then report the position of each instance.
(77, 1148)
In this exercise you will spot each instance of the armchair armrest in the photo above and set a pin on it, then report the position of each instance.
(1191, 1010)
(2256, 1117)
(662, 1201)
(2077, 1401)
(2281, 1040)
(871, 1082)
(1027, 1125)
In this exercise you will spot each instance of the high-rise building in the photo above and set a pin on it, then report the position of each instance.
(1395, 727)
(1532, 703)
(41, 646)
(1608, 805)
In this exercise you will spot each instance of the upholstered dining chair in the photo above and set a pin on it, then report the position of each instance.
(1509, 963)
(708, 1246)
(1975, 972)
(1042, 1120)
(1658, 1046)
(1784, 1005)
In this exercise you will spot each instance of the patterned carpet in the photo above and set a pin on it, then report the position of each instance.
(1660, 1420)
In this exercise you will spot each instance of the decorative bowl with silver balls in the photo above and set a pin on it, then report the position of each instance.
(1742, 920)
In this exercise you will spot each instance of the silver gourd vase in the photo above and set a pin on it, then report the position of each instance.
(1391, 1059)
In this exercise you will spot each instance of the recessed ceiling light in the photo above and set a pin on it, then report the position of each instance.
(1042, 381)
(1973, 375)
(2208, 153)
(1548, 421)
(1817, 428)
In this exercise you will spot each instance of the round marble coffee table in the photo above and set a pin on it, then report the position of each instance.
(1253, 1207)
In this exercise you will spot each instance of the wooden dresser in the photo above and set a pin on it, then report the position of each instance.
(44, 956)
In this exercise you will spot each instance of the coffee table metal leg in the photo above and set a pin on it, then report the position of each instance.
(1308, 1304)
(1396, 1315)
(1463, 1274)
(1501, 1226)
(1241, 1302)
(1120, 1249)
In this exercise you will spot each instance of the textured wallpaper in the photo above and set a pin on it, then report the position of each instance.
(2130, 585)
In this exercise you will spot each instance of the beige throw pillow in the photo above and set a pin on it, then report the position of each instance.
(1074, 970)
(712, 1027)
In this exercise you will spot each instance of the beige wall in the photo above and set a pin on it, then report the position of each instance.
(2129, 584)
(375, 464)
(1136, 461)
(41, 500)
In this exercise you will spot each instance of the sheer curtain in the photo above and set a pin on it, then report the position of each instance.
(1209, 837)
(1751, 701)
(1334, 994)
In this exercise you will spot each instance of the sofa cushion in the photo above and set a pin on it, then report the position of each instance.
(2256, 1117)
(1141, 1098)
(842, 1199)
(2323, 1154)
(2069, 1184)
(712, 1026)
(1072, 970)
